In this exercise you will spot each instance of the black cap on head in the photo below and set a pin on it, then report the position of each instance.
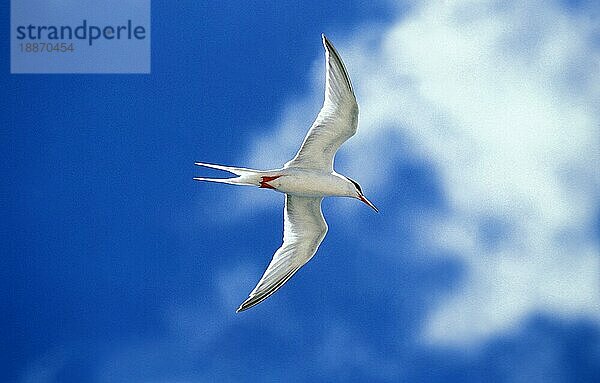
(355, 184)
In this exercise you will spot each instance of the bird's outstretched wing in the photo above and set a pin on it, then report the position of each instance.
(337, 121)
(303, 231)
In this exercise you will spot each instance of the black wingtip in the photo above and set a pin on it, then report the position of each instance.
(242, 308)
(326, 41)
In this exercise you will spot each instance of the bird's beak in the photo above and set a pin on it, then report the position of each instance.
(365, 200)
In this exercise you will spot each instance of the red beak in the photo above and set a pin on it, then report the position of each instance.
(365, 200)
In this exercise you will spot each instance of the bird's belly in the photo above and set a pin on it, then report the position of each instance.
(307, 185)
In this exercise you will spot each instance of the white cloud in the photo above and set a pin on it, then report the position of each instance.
(502, 98)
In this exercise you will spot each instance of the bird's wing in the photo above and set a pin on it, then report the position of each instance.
(303, 230)
(337, 121)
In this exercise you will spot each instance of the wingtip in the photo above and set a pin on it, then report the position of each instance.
(241, 308)
(249, 303)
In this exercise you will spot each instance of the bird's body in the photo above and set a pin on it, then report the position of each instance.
(305, 180)
(297, 181)
(311, 183)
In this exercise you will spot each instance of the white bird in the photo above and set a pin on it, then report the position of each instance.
(305, 180)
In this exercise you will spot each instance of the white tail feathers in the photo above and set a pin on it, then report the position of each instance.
(230, 169)
(244, 176)
(232, 181)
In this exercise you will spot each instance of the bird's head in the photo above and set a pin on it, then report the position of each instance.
(355, 191)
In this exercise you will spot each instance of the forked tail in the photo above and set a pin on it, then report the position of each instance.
(244, 176)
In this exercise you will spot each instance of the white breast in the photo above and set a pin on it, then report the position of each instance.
(309, 183)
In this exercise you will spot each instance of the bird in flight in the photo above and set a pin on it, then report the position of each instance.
(305, 180)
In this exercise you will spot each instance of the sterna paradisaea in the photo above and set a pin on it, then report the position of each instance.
(305, 180)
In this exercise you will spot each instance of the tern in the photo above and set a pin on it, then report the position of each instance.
(305, 180)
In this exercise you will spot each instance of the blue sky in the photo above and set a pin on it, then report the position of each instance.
(477, 140)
